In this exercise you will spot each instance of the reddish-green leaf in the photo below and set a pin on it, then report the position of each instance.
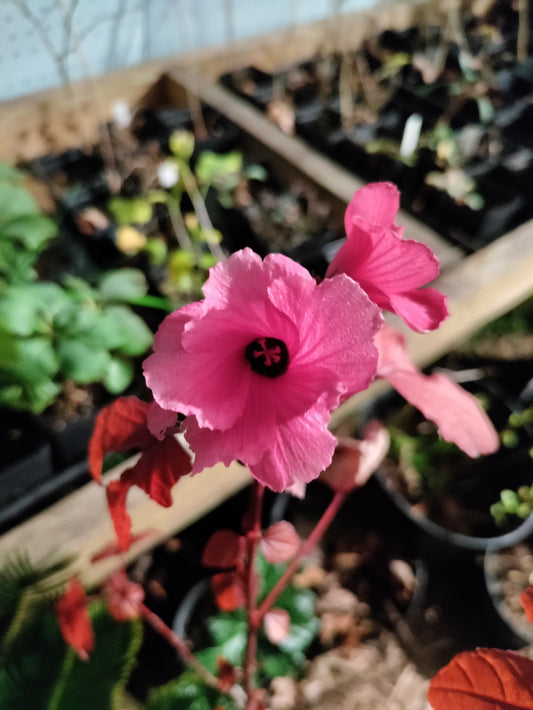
(277, 624)
(73, 619)
(484, 679)
(526, 599)
(228, 590)
(226, 675)
(120, 426)
(280, 542)
(224, 549)
(161, 465)
(117, 492)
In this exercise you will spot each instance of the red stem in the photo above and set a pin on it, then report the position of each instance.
(179, 644)
(305, 548)
(253, 537)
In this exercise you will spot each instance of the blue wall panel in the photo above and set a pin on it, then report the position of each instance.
(108, 34)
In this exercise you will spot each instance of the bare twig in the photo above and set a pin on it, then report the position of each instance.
(59, 58)
(522, 39)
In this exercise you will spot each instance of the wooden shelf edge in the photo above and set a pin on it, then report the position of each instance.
(79, 524)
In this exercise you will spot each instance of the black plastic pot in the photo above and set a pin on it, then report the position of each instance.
(26, 455)
(517, 628)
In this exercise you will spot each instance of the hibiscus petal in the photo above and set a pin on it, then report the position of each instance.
(458, 415)
(422, 310)
(301, 449)
(343, 345)
(375, 256)
(159, 420)
(376, 203)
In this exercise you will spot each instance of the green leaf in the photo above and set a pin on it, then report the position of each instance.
(212, 167)
(16, 264)
(33, 230)
(135, 336)
(82, 363)
(119, 375)
(41, 673)
(130, 210)
(19, 311)
(10, 174)
(15, 201)
(188, 692)
(36, 360)
(228, 630)
(123, 285)
(99, 682)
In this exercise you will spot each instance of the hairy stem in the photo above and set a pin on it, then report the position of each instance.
(179, 644)
(306, 547)
(253, 538)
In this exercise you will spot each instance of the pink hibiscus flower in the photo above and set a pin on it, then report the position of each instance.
(259, 364)
(389, 268)
(458, 414)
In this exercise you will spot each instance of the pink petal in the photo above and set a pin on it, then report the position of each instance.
(458, 414)
(372, 255)
(159, 420)
(301, 449)
(332, 338)
(376, 203)
(422, 310)
(277, 625)
(280, 542)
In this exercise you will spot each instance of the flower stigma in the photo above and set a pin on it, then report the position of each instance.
(268, 356)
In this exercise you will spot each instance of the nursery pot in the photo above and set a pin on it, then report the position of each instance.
(508, 572)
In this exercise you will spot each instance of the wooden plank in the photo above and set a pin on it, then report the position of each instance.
(57, 119)
(342, 32)
(79, 524)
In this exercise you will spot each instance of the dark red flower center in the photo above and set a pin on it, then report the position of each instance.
(268, 356)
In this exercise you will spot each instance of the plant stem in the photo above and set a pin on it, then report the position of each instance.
(201, 211)
(253, 537)
(179, 644)
(306, 547)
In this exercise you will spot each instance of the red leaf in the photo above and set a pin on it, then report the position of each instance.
(120, 426)
(117, 492)
(73, 619)
(228, 589)
(159, 468)
(277, 624)
(484, 679)
(124, 598)
(355, 461)
(280, 542)
(526, 599)
(224, 549)
(226, 675)
(115, 549)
